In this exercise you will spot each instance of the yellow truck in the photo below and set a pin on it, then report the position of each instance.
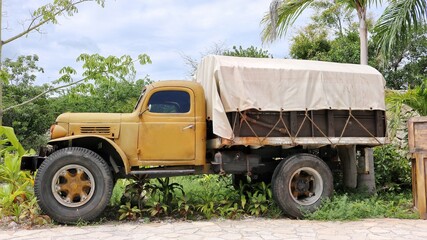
(282, 121)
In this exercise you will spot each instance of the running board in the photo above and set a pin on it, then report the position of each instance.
(156, 173)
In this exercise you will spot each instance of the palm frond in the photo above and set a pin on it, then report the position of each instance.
(399, 20)
(281, 16)
(415, 98)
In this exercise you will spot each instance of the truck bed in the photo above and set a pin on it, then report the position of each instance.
(317, 127)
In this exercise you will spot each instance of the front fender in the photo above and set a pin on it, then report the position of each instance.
(108, 141)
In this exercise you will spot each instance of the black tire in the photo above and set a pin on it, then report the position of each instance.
(73, 184)
(299, 184)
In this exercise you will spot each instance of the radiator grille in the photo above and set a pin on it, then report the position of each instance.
(95, 130)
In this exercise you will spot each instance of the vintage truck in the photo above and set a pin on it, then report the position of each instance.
(283, 121)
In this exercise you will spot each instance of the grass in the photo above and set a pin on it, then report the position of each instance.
(356, 206)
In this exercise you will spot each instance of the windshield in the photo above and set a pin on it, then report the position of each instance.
(139, 99)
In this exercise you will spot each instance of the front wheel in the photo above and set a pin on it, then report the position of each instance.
(73, 184)
(299, 184)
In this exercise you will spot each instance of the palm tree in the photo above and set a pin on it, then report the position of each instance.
(398, 20)
(396, 25)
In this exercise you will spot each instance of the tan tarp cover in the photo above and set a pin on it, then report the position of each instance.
(237, 84)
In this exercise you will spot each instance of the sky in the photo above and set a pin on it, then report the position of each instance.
(163, 29)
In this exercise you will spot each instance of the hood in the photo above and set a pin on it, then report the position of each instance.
(89, 118)
(102, 124)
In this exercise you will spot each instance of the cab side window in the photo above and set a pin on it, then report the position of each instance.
(169, 102)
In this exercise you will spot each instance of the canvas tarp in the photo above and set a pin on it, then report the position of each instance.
(237, 84)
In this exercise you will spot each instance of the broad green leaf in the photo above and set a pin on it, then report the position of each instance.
(10, 135)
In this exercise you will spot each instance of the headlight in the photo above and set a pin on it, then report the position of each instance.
(56, 131)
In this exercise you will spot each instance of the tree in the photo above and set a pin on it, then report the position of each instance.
(318, 46)
(32, 120)
(332, 36)
(310, 43)
(283, 14)
(407, 67)
(251, 51)
(396, 25)
(397, 21)
(45, 14)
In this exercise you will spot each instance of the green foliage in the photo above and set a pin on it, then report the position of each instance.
(204, 196)
(118, 191)
(344, 49)
(311, 43)
(4, 77)
(415, 98)
(407, 68)
(157, 208)
(135, 193)
(184, 206)
(9, 141)
(162, 193)
(260, 199)
(109, 80)
(164, 190)
(392, 171)
(128, 212)
(281, 16)
(395, 26)
(50, 12)
(30, 121)
(156, 197)
(251, 51)
(353, 207)
(336, 16)
(17, 200)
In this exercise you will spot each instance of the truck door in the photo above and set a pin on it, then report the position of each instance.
(167, 128)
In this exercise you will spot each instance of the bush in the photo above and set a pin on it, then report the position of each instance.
(392, 171)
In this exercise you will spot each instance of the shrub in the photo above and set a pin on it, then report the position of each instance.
(392, 171)
(17, 200)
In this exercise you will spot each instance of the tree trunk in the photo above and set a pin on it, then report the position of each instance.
(363, 33)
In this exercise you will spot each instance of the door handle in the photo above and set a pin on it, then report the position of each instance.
(191, 126)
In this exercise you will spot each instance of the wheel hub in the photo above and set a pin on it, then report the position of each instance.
(302, 185)
(306, 186)
(73, 185)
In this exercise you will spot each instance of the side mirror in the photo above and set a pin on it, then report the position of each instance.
(147, 109)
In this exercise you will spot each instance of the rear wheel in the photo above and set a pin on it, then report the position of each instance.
(73, 184)
(300, 183)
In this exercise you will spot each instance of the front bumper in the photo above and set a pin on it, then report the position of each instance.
(31, 163)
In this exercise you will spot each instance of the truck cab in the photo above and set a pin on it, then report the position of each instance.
(166, 128)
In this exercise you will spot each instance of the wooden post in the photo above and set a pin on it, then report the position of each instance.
(417, 141)
(419, 185)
